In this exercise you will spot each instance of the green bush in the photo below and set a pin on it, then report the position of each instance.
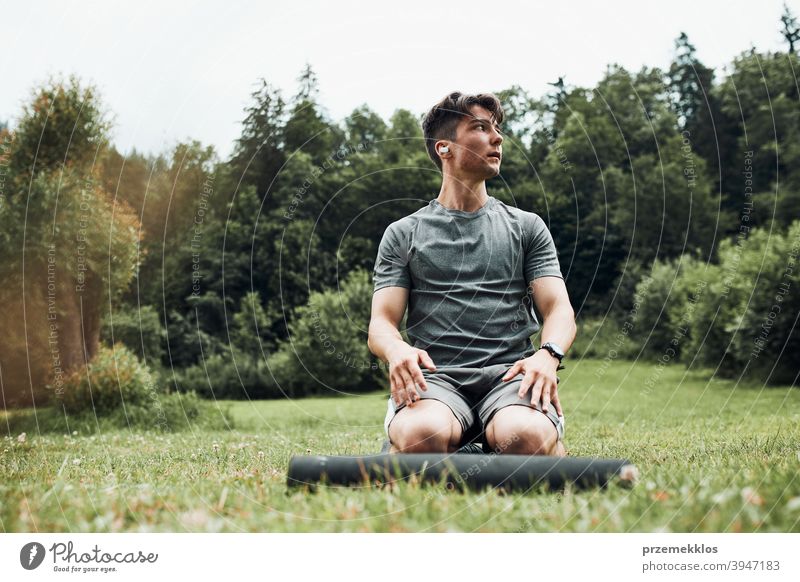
(664, 307)
(219, 377)
(656, 321)
(624, 289)
(115, 377)
(746, 323)
(139, 329)
(326, 352)
(603, 338)
(715, 315)
(117, 390)
(252, 327)
(327, 346)
(737, 317)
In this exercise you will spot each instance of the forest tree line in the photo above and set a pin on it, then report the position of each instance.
(250, 276)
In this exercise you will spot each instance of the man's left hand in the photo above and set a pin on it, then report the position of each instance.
(539, 377)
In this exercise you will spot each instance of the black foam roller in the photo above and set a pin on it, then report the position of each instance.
(476, 472)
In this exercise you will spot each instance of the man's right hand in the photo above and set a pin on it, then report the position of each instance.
(405, 373)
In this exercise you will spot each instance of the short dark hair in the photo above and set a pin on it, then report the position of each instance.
(442, 120)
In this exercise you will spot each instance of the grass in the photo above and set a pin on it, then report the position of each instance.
(713, 456)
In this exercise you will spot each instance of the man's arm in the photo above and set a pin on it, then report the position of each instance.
(552, 301)
(388, 306)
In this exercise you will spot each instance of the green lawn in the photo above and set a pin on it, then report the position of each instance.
(712, 456)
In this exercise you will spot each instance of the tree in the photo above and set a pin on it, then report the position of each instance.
(70, 247)
(134, 179)
(761, 93)
(364, 126)
(64, 123)
(259, 153)
(308, 130)
(177, 218)
(791, 30)
(404, 138)
(709, 131)
(307, 85)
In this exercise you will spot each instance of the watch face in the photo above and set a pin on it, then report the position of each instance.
(554, 349)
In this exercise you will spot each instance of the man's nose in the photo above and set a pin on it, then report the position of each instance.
(498, 138)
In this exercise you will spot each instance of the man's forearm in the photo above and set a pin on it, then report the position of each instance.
(382, 336)
(559, 327)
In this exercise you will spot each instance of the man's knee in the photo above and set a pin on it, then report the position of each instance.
(520, 430)
(428, 426)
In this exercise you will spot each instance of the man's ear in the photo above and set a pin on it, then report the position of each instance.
(443, 148)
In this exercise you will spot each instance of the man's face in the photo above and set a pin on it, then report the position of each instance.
(477, 151)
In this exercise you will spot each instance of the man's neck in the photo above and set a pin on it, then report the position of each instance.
(462, 194)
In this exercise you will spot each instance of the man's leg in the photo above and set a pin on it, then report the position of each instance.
(513, 425)
(427, 426)
(521, 430)
(434, 424)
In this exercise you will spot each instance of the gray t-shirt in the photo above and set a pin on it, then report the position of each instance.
(468, 276)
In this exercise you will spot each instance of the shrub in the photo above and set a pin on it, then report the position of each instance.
(117, 390)
(663, 306)
(769, 337)
(603, 338)
(624, 289)
(747, 321)
(327, 345)
(326, 351)
(252, 328)
(220, 377)
(115, 377)
(738, 317)
(139, 329)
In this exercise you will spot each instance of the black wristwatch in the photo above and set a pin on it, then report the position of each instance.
(555, 350)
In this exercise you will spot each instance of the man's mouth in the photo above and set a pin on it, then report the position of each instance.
(495, 155)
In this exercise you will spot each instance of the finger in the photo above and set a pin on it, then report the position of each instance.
(400, 389)
(420, 379)
(396, 389)
(536, 391)
(408, 385)
(527, 380)
(545, 395)
(426, 360)
(556, 402)
(515, 369)
(413, 395)
(417, 376)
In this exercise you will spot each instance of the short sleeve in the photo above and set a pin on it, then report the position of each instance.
(391, 265)
(541, 257)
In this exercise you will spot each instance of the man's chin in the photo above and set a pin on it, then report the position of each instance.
(487, 172)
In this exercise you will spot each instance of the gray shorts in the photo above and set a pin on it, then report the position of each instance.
(475, 395)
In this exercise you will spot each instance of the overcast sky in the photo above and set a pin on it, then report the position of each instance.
(176, 70)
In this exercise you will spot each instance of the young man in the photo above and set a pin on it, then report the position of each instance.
(464, 266)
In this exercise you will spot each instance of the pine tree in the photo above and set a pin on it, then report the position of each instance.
(791, 29)
(710, 133)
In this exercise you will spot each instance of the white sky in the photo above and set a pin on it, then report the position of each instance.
(179, 70)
